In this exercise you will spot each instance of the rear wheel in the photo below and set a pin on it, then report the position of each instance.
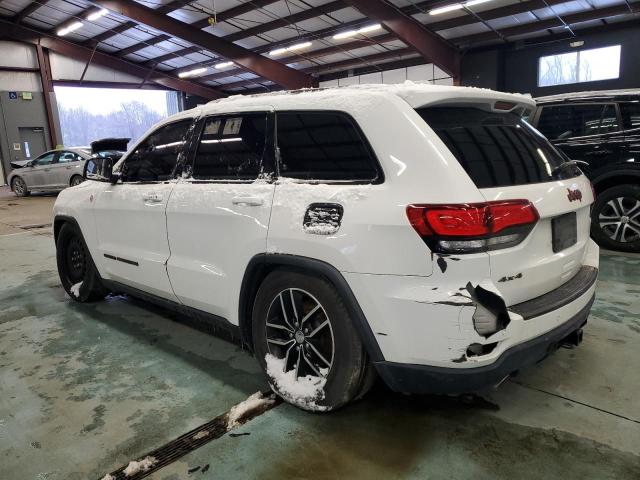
(615, 219)
(19, 187)
(76, 180)
(76, 269)
(305, 341)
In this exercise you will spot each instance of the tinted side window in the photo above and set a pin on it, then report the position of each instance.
(323, 146)
(560, 122)
(630, 115)
(155, 158)
(231, 147)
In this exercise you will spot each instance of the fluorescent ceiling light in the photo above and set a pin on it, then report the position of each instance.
(360, 31)
(456, 6)
(190, 73)
(70, 28)
(471, 3)
(297, 46)
(223, 65)
(96, 15)
(448, 8)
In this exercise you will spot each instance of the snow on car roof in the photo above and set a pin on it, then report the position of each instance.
(352, 97)
(414, 93)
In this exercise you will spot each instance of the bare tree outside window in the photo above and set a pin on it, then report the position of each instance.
(580, 66)
(88, 114)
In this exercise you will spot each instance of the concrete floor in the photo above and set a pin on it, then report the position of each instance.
(86, 388)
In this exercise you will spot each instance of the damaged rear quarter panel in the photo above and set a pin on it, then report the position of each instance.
(424, 320)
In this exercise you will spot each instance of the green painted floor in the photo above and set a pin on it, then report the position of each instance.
(85, 388)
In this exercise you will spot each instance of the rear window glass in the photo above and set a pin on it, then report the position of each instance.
(496, 149)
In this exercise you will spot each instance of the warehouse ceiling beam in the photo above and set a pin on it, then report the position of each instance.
(28, 10)
(80, 52)
(251, 61)
(431, 46)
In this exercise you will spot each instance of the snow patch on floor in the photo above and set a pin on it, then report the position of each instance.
(241, 410)
(304, 392)
(136, 466)
(75, 289)
(199, 435)
(108, 476)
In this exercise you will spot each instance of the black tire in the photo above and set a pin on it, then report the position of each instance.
(348, 376)
(611, 227)
(75, 266)
(76, 180)
(19, 187)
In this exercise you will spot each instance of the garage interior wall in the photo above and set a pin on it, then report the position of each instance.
(515, 68)
(417, 73)
(18, 74)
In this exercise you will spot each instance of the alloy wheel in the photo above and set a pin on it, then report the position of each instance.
(619, 219)
(19, 186)
(299, 331)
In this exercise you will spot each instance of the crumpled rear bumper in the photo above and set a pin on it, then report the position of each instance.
(426, 379)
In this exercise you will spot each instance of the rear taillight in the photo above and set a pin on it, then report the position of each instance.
(473, 227)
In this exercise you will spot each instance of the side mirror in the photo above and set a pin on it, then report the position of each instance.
(99, 169)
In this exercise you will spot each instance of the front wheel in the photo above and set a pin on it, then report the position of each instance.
(615, 219)
(19, 187)
(76, 180)
(305, 341)
(76, 269)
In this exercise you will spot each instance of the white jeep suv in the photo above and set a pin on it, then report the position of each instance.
(427, 234)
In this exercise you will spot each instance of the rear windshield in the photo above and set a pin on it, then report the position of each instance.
(496, 149)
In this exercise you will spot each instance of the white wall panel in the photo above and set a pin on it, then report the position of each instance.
(14, 54)
(399, 75)
(375, 77)
(349, 81)
(65, 68)
(420, 72)
(443, 81)
(20, 81)
(329, 83)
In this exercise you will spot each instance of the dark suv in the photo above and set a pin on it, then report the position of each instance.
(603, 130)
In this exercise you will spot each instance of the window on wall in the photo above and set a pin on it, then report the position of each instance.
(579, 66)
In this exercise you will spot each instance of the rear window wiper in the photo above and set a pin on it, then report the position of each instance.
(567, 163)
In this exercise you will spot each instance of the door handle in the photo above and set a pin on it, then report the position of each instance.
(250, 201)
(68, 167)
(152, 198)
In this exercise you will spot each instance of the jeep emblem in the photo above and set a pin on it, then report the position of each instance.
(574, 195)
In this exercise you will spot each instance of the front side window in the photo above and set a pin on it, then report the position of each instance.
(44, 160)
(231, 147)
(630, 115)
(560, 122)
(496, 149)
(323, 146)
(154, 159)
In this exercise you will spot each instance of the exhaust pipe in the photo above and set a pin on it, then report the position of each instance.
(572, 340)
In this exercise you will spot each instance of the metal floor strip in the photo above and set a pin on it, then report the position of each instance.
(190, 441)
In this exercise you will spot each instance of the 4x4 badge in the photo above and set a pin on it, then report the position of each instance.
(574, 195)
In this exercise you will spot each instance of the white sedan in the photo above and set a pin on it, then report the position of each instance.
(54, 170)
